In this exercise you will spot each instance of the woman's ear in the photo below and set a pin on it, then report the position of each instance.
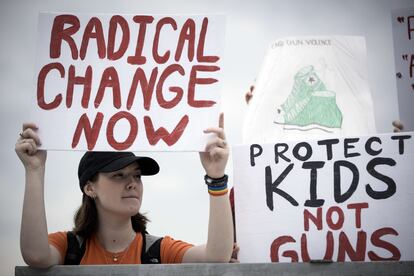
(89, 189)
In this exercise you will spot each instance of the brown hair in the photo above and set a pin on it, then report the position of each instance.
(86, 218)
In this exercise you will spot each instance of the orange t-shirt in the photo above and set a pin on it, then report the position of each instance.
(172, 251)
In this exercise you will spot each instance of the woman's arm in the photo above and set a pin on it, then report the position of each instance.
(220, 228)
(34, 244)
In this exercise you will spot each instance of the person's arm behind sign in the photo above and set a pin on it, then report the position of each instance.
(220, 229)
(34, 244)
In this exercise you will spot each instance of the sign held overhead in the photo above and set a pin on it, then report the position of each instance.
(127, 82)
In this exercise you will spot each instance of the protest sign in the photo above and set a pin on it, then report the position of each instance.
(403, 32)
(339, 199)
(314, 85)
(127, 82)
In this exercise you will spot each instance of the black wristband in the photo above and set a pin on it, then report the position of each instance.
(216, 182)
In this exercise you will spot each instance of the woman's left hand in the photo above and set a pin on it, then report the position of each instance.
(216, 154)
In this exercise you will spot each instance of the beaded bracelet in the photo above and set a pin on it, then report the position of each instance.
(216, 186)
(217, 191)
(216, 181)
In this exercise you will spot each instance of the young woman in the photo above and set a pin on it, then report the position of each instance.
(108, 223)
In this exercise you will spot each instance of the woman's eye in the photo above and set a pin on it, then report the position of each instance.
(118, 175)
(137, 176)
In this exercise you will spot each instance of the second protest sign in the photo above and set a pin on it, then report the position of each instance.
(345, 199)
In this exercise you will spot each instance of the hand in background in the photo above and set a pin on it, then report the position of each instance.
(398, 126)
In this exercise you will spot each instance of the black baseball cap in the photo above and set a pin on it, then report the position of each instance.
(94, 162)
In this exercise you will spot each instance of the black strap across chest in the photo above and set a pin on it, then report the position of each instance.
(150, 252)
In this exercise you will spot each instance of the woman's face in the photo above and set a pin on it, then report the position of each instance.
(120, 191)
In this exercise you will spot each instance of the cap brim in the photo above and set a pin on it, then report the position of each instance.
(147, 165)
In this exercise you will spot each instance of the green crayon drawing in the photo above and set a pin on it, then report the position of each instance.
(309, 103)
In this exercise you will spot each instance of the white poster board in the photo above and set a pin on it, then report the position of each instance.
(346, 199)
(403, 32)
(127, 82)
(315, 86)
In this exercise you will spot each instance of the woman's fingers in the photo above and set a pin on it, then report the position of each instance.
(29, 140)
(27, 146)
(29, 125)
(29, 133)
(217, 130)
(221, 120)
(217, 146)
(33, 146)
(220, 129)
(215, 142)
(217, 152)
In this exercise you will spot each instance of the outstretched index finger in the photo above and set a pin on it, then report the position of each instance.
(221, 120)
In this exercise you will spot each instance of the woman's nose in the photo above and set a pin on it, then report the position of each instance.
(132, 183)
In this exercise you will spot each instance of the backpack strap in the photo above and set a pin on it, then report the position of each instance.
(150, 252)
(151, 249)
(76, 249)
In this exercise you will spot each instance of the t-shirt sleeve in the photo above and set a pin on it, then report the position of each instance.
(172, 251)
(60, 242)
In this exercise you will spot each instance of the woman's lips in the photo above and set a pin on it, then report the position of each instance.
(135, 197)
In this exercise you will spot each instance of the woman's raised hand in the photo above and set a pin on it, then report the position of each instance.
(214, 159)
(27, 148)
